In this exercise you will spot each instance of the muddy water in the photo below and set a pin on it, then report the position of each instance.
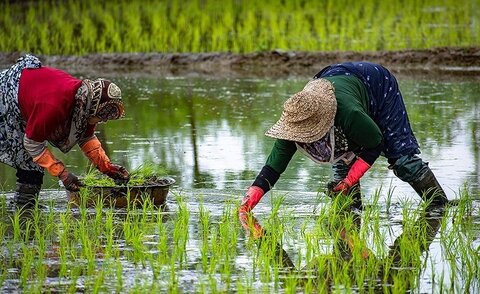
(209, 133)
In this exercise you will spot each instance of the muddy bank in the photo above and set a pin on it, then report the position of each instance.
(451, 61)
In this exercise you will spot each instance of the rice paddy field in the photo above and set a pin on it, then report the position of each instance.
(296, 240)
(195, 249)
(80, 27)
(207, 132)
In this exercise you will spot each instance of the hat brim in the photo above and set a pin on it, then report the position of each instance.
(302, 132)
(307, 115)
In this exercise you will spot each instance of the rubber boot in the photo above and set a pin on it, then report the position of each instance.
(26, 195)
(429, 189)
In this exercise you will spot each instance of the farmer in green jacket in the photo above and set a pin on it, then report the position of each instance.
(348, 115)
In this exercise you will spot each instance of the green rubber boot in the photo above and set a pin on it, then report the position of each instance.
(429, 189)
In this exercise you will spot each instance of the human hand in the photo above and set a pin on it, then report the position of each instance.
(343, 187)
(70, 181)
(118, 173)
(251, 198)
(358, 169)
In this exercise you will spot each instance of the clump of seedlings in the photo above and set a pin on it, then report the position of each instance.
(333, 249)
(144, 175)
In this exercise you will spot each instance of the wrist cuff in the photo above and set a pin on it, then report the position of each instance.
(266, 179)
(49, 162)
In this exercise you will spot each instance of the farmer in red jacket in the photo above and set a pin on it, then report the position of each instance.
(41, 104)
(348, 115)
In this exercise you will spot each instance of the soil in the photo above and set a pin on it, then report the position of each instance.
(437, 61)
(158, 181)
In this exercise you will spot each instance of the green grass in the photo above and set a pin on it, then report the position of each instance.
(108, 250)
(80, 27)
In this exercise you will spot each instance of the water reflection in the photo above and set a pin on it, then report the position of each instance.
(43, 236)
(208, 131)
(398, 271)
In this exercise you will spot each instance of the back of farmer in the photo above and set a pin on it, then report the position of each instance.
(348, 115)
(41, 105)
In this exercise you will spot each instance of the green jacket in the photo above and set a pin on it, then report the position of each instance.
(352, 116)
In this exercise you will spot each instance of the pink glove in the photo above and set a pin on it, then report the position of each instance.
(342, 187)
(70, 181)
(358, 169)
(251, 198)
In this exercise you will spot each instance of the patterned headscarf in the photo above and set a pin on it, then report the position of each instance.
(107, 100)
(331, 148)
(100, 98)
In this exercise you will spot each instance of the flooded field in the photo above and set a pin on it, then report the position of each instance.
(208, 132)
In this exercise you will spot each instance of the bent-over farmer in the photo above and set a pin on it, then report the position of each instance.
(348, 115)
(40, 104)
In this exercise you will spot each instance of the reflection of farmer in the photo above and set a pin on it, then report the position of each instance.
(40, 104)
(348, 115)
(402, 262)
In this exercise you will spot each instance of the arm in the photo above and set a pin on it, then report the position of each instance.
(92, 148)
(281, 154)
(365, 133)
(43, 157)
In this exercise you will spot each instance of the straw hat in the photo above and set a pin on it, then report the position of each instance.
(307, 115)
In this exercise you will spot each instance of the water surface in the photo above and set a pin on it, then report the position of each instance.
(209, 133)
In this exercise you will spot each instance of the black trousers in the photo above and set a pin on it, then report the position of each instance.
(32, 177)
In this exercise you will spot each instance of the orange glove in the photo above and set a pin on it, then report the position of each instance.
(48, 161)
(57, 169)
(250, 200)
(95, 153)
(358, 169)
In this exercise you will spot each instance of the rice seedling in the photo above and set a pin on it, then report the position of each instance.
(336, 249)
(74, 27)
(205, 230)
(141, 175)
(163, 250)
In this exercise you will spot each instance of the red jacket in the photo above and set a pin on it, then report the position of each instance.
(46, 98)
